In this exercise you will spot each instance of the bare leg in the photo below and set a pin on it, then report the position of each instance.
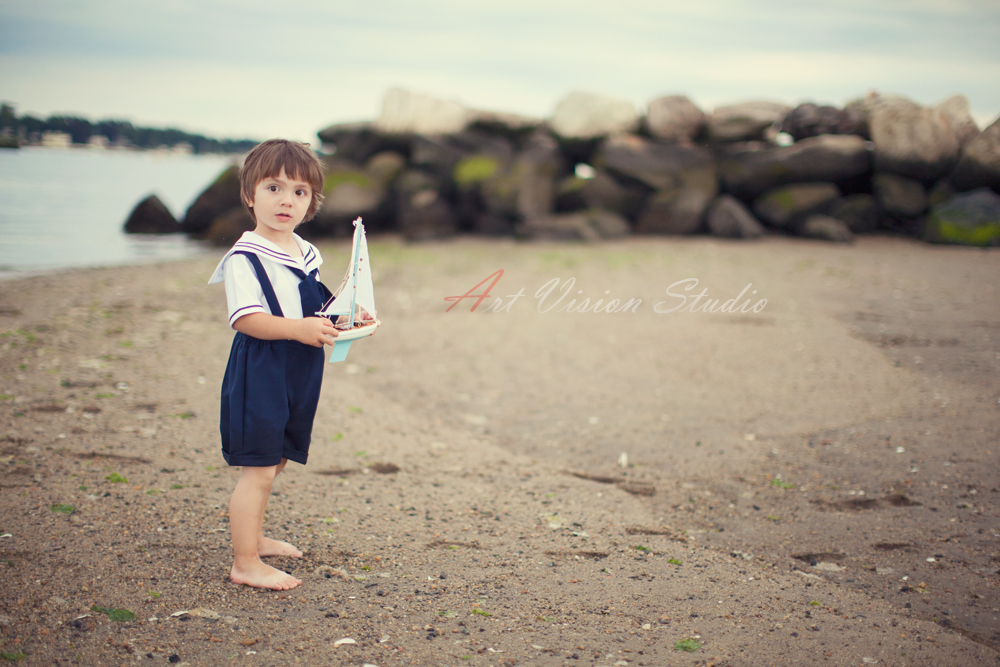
(265, 545)
(246, 514)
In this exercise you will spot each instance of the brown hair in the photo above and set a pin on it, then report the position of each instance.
(266, 160)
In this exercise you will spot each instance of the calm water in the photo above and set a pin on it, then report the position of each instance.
(63, 208)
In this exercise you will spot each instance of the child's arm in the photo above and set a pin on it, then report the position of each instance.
(315, 331)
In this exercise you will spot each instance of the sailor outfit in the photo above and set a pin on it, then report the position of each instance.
(271, 387)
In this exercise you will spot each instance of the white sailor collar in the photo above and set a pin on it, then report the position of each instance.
(258, 245)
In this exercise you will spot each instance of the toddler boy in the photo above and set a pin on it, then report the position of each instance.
(272, 382)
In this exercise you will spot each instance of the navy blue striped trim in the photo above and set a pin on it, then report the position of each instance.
(282, 257)
(236, 314)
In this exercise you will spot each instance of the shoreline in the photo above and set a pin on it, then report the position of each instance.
(464, 502)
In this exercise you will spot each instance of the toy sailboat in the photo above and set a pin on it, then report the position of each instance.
(352, 306)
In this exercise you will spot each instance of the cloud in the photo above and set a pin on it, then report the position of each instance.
(255, 68)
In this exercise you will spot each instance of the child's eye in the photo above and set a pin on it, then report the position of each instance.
(302, 193)
(272, 188)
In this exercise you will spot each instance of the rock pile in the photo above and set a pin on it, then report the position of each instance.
(430, 168)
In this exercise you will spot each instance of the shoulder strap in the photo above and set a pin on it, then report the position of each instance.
(265, 282)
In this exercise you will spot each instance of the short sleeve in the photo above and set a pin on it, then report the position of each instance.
(243, 291)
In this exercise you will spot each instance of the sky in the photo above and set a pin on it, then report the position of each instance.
(258, 69)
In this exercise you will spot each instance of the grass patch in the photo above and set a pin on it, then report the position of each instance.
(62, 509)
(116, 615)
(687, 645)
(115, 478)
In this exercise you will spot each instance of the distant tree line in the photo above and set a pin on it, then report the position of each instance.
(26, 129)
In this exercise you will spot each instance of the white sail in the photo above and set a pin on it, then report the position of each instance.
(356, 293)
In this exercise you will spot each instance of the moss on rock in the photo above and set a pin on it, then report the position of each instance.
(474, 169)
(971, 218)
(335, 178)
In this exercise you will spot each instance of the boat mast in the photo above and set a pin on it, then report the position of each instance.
(357, 251)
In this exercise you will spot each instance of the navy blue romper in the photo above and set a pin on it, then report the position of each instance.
(271, 387)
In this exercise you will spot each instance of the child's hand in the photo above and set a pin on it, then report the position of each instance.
(315, 331)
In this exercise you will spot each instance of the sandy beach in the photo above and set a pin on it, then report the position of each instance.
(812, 483)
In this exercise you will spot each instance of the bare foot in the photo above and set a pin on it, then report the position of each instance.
(261, 575)
(269, 547)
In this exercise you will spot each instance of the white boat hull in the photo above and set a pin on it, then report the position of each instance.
(357, 332)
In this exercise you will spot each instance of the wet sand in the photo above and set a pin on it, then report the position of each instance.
(813, 482)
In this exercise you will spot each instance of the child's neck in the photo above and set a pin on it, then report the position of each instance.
(283, 240)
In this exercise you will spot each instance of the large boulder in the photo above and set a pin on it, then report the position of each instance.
(226, 229)
(357, 142)
(439, 154)
(744, 122)
(537, 167)
(509, 125)
(970, 218)
(859, 110)
(786, 207)
(827, 228)
(151, 216)
(940, 193)
(675, 118)
(468, 176)
(385, 166)
(506, 189)
(748, 170)
(979, 165)
(499, 193)
(682, 175)
(660, 166)
(589, 225)
(405, 112)
(601, 191)
(351, 191)
(582, 115)
(729, 218)
(913, 141)
(674, 212)
(222, 196)
(900, 196)
(424, 212)
(955, 109)
(809, 120)
(860, 212)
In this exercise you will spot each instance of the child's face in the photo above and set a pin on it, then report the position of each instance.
(280, 203)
